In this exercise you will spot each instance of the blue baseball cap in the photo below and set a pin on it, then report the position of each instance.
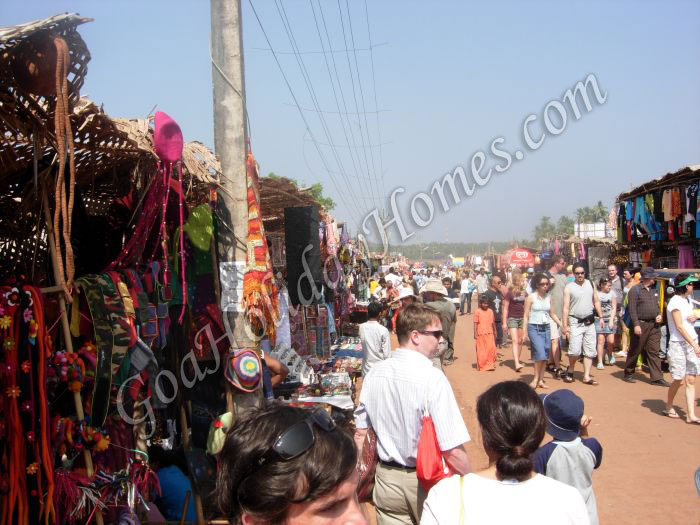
(564, 411)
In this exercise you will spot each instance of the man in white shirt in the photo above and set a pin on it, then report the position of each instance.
(393, 278)
(376, 344)
(482, 282)
(393, 397)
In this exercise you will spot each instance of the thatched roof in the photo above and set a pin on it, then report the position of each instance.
(670, 180)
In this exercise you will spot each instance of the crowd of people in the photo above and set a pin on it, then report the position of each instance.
(294, 466)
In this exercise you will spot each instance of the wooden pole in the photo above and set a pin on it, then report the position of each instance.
(65, 328)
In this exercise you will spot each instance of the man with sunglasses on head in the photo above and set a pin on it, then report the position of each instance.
(578, 324)
(394, 395)
(281, 464)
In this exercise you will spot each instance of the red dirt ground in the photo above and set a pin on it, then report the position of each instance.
(648, 459)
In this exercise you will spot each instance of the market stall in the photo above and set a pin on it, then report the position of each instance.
(656, 222)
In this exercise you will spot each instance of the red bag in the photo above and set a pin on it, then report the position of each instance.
(366, 466)
(430, 465)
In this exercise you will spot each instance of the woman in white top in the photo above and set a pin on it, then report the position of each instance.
(605, 326)
(683, 350)
(538, 312)
(512, 421)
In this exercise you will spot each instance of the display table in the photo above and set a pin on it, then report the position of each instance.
(341, 402)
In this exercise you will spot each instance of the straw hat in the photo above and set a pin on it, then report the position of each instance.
(434, 285)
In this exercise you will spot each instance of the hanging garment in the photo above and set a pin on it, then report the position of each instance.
(658, 208)
(666, 206)
(685, 256)
(691, 201)
(675, 203)
(640, 213)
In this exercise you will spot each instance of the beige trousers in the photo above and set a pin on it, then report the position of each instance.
(398, 496)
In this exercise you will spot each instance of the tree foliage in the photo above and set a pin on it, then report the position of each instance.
(315, 190)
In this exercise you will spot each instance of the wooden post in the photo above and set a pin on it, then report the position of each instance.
(65, 327)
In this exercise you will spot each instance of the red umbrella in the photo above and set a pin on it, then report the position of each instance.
(521, 257)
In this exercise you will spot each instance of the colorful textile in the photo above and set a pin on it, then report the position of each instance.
(259, 289)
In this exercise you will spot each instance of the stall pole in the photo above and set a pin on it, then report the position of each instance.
(65, 327)
(230, 144)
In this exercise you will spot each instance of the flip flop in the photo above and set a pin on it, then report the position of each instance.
(693, 421)
(591, 382)
(569, 378)
(519, 368)
(542, 384)
(670, 413)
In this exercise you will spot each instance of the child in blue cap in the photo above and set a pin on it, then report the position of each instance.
(571, 456)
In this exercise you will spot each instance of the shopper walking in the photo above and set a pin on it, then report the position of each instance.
(485, 336)
(494, 295)
(482, 282)
(645, 333)
(557, 283)
(512, 317)
(606, 326)
(393, 397)
(435, 296)
(538, 315)
(683, 349)
(580, 303)
(468, 285)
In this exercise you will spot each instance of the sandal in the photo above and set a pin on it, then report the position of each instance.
(556, 372)
(671, 413)
(693, 421)
(591, 382)
(519, 368)
(568, 378)
(542, 384)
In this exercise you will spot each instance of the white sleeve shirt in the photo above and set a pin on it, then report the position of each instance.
(394, 393)
(376, 344)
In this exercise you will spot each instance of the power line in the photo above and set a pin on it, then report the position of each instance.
(314, 99)
(291, 92)
(340, 84)
(351, 151)
(310, 110)
(362, 95)
(354, 92)
(322, 52)
(376, 106)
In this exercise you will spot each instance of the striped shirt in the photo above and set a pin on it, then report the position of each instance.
(394, 393)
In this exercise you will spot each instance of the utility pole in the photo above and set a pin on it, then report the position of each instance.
(231, 147)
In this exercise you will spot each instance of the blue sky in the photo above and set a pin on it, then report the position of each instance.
(451, 77)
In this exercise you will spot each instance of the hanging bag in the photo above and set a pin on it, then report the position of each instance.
(366, 466)
(430, 465)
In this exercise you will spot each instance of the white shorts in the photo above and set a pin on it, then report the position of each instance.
(553, 330)
(582, 339)
(682, 360)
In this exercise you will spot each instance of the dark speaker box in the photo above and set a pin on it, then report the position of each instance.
(301, 226)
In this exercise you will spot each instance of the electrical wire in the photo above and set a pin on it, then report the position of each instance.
(362, 95)
(291, 92)
(376, 105)
(351, 151)
(314, 99)
(354, 94)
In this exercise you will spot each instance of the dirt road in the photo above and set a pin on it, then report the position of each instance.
(648, 459)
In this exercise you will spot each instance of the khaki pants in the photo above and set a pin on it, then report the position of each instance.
(398, 496)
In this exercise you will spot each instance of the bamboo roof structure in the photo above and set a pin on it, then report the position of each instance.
(682, 176)
(114, 157)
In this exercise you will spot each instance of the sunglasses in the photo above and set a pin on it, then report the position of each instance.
(298, 438)
(435, 333)
(544, 284)
(579, 273)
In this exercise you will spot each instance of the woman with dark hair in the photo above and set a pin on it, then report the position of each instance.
(538, 314)
(287, 465)
(512, 422)
(683, 349)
